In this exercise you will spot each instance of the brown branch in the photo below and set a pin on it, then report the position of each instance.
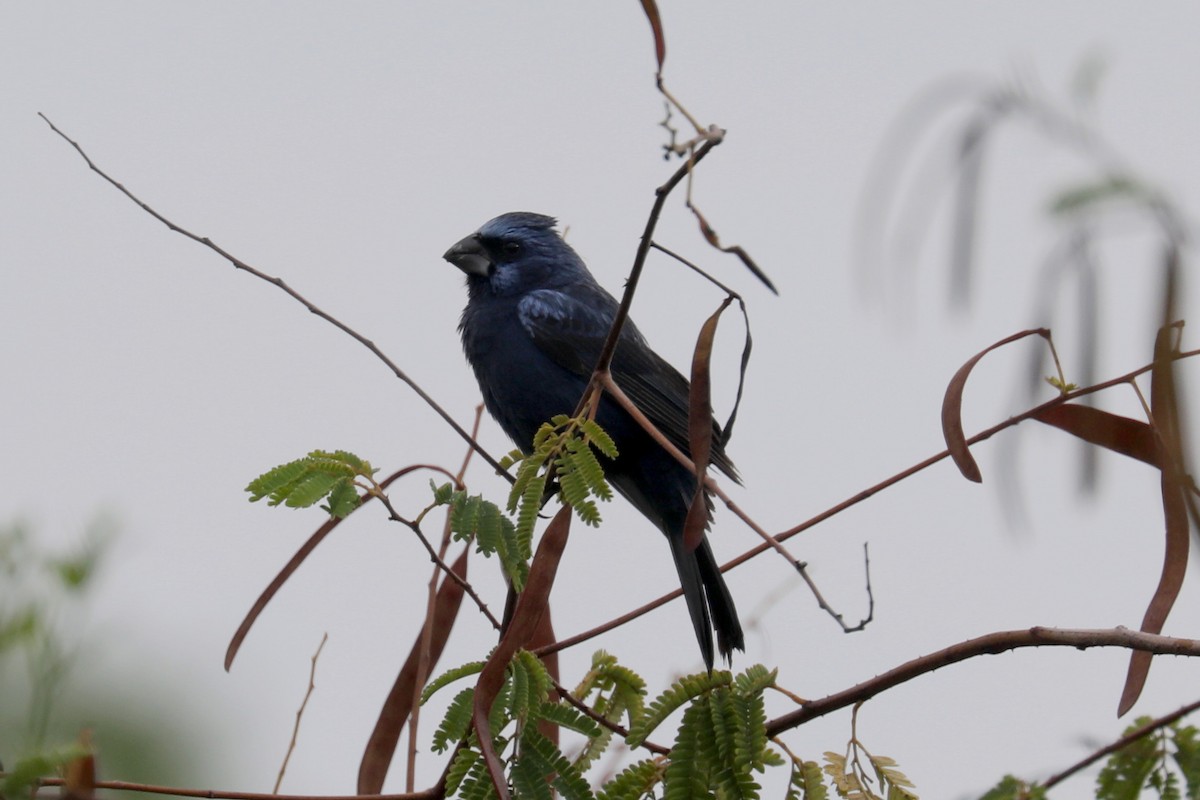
(591, 633)
(989, 644)
(639, 260)
(279, 283)
(438, 560)
(423, 664)
(215, 794)
(604, 721)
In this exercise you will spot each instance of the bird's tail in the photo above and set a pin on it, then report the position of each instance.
(708, 600)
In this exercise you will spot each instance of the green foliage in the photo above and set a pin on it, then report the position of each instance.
(1158, 762)
(450, 676)
(25, 774)
(1085, 197)
(721, 741)
(568, 450)
(687, 688)
(1012, 789)
(806, 782)
(320, 475)
(534, 764)
(618, 692)
(852, 782)
(473, 518)
(719, 746)
(636, 781)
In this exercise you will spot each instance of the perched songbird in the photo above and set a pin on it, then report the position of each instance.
(533, 328)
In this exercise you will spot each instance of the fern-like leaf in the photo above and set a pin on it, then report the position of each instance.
(635, 782)
(568, 780)
(460, 767)
(598, 437)
(570, 718)
(682, 691)
(306, 481)
(450, 676)
(807, 782)
(343, 498)
(687, 776)
(1187, 757)
(456, 722)
(1128, 769)
(530, 778)
(899, 787)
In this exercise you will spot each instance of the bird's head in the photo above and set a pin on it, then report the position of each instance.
(516, 253)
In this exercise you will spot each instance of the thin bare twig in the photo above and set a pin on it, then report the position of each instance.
(438, 560)
(423, 665)
(279, 282)
(604, 721)
(312, 684)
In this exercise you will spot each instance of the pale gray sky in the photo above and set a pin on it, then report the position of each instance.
(345, 146)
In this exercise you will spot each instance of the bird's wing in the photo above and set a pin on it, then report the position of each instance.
(571, 331)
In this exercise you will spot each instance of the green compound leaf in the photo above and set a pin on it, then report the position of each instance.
(472, 517)
(570, 718)
(450, 676)
(682, 691)
(550, 762)
(635, 781)
(456, 722)
(306, 481)
(563, 450)
(463, 762)
(807, 782)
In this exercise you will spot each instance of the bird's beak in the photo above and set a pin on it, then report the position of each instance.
(470, 256)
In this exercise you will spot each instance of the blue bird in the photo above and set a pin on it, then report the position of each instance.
(532, 330)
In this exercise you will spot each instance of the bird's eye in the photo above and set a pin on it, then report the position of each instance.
(512, 248)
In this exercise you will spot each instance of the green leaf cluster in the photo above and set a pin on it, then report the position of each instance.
(1165, 763)
(851, 781)
(474, 519)
(535, 765)
(1011, 788)
(320, 475)
(566, 450)
(613, 692)
(721, 742)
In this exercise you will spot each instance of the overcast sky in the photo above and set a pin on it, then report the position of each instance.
(344, 147)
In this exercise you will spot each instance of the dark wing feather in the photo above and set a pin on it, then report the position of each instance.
(572, 332)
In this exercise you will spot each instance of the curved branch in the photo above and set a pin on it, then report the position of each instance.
(988, 644)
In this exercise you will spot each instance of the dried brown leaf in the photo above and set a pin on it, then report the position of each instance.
(79, 777)
(1164, 407)
(952, 429)
(711, 237)
(381, 746)
(1129, 437)
(700, 426)
(531, 606)
(656, 27)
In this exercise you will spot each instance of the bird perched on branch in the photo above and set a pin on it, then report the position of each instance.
(533, 328)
